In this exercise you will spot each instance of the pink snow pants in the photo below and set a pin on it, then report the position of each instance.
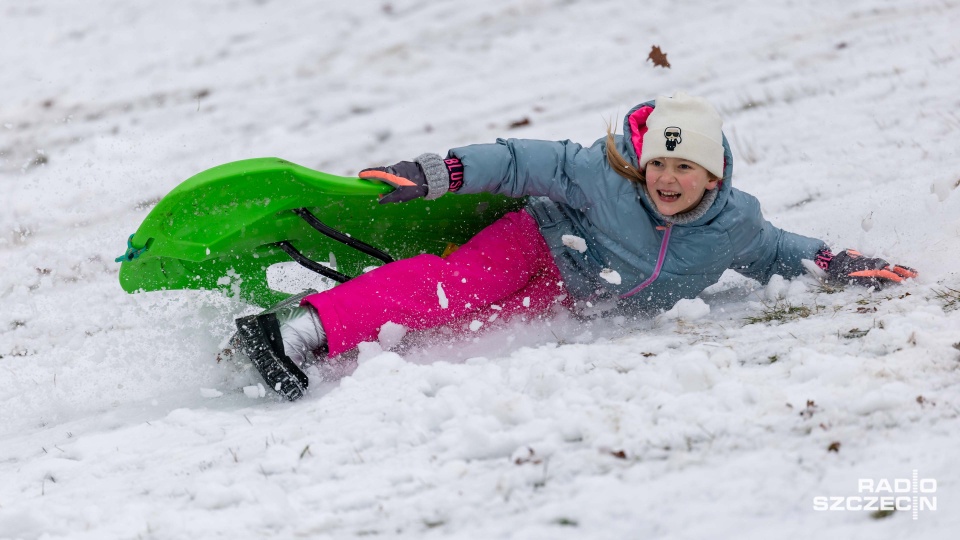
(507, 265)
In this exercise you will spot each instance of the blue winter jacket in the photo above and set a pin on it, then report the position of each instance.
(576, 192)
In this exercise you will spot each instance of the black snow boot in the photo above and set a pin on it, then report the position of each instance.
(258, 336)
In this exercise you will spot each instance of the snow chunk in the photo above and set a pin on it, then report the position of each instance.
(611, 276)
(526, 301)
(374, 363)
(255, 392)
(475, 325)
(688, 310)
(391, 334)
(444, 303)
(210, 392)
(574, 242)
(776, 288)
(368, 350)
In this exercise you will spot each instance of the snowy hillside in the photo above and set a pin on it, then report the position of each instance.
(724, 418)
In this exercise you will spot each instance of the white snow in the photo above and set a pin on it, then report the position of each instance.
(610, 276)
(255, 391)
(442, 296)
(574, 242)
(688, 310)
(210, 392)
(837, 113)
(391, 334)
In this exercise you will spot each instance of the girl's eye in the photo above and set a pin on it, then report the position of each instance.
(656, 163)
(685, 166)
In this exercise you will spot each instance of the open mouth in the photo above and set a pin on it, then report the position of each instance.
(668, 196)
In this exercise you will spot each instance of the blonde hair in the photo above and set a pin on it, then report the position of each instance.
(620, 164)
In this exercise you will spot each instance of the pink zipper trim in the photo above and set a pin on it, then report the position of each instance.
(656, 270)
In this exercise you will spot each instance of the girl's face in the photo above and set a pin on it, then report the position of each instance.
(677, 185)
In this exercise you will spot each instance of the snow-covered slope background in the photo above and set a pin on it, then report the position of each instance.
(844, 119)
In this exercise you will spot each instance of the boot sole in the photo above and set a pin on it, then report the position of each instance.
(258, 337)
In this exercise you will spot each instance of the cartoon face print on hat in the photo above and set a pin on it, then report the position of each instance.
(672, 134)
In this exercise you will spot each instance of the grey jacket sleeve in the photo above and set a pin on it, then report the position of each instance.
(519, 167)
(762, 250)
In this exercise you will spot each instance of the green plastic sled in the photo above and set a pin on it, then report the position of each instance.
(222, 229)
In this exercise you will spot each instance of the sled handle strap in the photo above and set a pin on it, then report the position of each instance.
(340, 237)
(311, 264)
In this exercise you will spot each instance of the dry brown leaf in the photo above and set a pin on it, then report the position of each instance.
(658, 57)
(531, 457)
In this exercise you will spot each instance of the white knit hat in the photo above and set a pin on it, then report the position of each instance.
(685, 127)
